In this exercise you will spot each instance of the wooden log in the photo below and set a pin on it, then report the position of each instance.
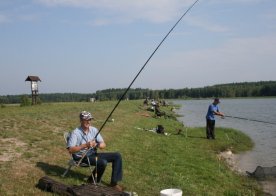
(47, 184)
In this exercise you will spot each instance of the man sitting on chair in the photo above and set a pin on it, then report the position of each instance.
(82, 140)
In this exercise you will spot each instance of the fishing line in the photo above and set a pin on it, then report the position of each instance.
(241, 118)
(121, 98)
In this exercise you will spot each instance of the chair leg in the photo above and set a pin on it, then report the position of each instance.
(91, 172)
(64, 174)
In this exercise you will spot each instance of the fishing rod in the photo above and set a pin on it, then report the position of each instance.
(121, 98)
(241, 118)
(125, 92)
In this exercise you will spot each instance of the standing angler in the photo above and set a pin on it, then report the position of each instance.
(210, 118)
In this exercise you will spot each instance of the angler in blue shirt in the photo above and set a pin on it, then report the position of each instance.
(210, 118)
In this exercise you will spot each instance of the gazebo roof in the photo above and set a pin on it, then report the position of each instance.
(33, 78)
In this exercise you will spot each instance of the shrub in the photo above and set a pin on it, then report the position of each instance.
(25, 101)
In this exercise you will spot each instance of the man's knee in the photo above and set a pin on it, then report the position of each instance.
(102, 163)
(117, 156)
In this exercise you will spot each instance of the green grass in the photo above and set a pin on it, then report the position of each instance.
(33, 139)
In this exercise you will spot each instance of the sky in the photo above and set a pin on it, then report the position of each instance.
(81, 46)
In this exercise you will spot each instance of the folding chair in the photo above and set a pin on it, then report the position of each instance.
(72, 162)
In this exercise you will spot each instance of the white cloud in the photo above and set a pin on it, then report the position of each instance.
(238, 52)
(4, 19)
(239, 1)
(154, 10)
(205, 24)
(99, 22)
(237, 60)
(29, 17)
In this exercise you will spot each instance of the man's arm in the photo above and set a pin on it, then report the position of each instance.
(74, 149)
(101, 145)
(87, 145)
(218, 113)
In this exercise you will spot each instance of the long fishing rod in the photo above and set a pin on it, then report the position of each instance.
(123, 95)
(121, 98)
(241, 118)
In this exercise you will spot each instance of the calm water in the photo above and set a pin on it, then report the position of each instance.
(263, 135)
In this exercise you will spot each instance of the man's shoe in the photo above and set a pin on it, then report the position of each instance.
(117, 187)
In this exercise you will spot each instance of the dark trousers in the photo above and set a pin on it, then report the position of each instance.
(104, 158)
(210, 129)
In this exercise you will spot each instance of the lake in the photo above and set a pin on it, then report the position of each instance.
(263, 134)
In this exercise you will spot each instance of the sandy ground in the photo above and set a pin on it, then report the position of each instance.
(8, 149)
(269, 186)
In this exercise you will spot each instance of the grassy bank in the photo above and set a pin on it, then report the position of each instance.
(32, 146)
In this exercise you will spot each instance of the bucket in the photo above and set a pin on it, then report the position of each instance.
(171, 192)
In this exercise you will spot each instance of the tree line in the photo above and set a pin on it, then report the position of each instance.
(230, 90)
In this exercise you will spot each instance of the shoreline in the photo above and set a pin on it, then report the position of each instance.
(268, 186)
(243, 161)
(231, 160)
